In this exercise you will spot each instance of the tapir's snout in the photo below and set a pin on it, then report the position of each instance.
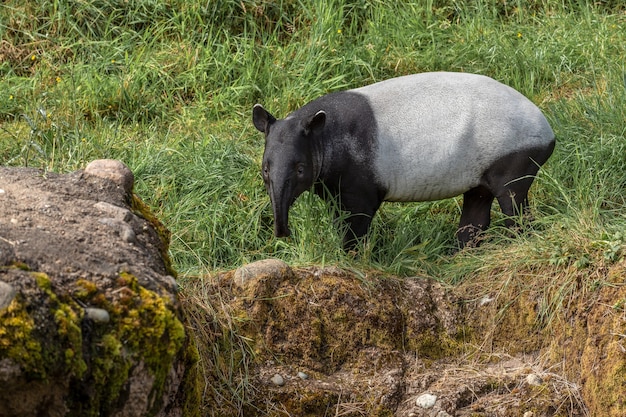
(281, 202)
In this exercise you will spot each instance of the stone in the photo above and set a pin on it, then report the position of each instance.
(98, 315)
(271, 268)
(116, 212)
(114, 171)
(278, 380)
(426, 401)
(81, 299)
(7, 294)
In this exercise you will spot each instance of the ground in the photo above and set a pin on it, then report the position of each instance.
(374, 345)
(93, 324)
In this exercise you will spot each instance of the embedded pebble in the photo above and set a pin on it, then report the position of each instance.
(272, 268)
(278, 380)
(302, 375)
(117, 212)
(534, 379)
(98, 315)
(112, 170)
(426, 400)
(124, 230)
(7, 294)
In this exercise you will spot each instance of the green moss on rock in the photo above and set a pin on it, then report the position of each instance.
(17, 341)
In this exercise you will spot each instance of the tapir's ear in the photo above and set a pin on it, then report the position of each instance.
(261, 118)
(316, 122)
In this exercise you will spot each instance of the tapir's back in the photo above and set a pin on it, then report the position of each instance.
(438, 132)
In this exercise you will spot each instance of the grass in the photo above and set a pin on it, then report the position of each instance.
(167, 87)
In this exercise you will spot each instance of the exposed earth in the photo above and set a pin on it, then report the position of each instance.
(92, 323)
(345, 345)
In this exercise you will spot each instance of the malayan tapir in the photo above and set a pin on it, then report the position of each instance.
(418, 137)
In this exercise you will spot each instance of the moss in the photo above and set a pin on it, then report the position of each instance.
(67, 338)
(603, 365)
(17, 342)
(143, 328)
(192, 380)
(68, 325)
(85, 290)
(141, 209)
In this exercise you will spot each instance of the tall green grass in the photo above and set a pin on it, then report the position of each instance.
(167, 87)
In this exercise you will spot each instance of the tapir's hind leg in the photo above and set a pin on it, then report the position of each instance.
(511, 177)
(476, 215)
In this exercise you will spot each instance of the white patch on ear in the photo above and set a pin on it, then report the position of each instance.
(316, 122)
(261, 118)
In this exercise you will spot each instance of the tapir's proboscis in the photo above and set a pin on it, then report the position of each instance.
(419, 137)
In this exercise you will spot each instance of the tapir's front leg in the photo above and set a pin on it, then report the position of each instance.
(361, 206)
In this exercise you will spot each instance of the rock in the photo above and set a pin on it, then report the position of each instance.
(91, 323)
(116, 212)
(302, 375)
(7, 294)
(278, 380)
(534, 380)
(264, 269)
(99, 315)
(124, 230)
(7, 254)
(114, 171)
(426, 401)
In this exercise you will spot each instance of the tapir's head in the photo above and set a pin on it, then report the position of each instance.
(290, 159)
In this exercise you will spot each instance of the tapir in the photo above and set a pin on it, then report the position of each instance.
(420, 137)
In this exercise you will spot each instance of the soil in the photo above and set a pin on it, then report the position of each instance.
(381, 346)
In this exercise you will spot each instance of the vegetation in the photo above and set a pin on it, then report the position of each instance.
(167, 87)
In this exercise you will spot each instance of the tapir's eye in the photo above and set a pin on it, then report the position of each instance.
(300, 169)
(266, 171)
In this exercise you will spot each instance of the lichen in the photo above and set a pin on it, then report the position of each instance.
(143, 328)
(141, 209)
(16, 339)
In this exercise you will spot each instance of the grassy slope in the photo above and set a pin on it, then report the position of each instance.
(167, 87)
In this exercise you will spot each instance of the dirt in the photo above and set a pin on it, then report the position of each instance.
(376, 345)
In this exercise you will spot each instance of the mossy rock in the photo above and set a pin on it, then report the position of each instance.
(92, 324)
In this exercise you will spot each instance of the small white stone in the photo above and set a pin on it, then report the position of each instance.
(98, 315)
(529, 414)
(534, 379)
(426, 400)
(278, 380)
(302, 375)
(7, 294)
